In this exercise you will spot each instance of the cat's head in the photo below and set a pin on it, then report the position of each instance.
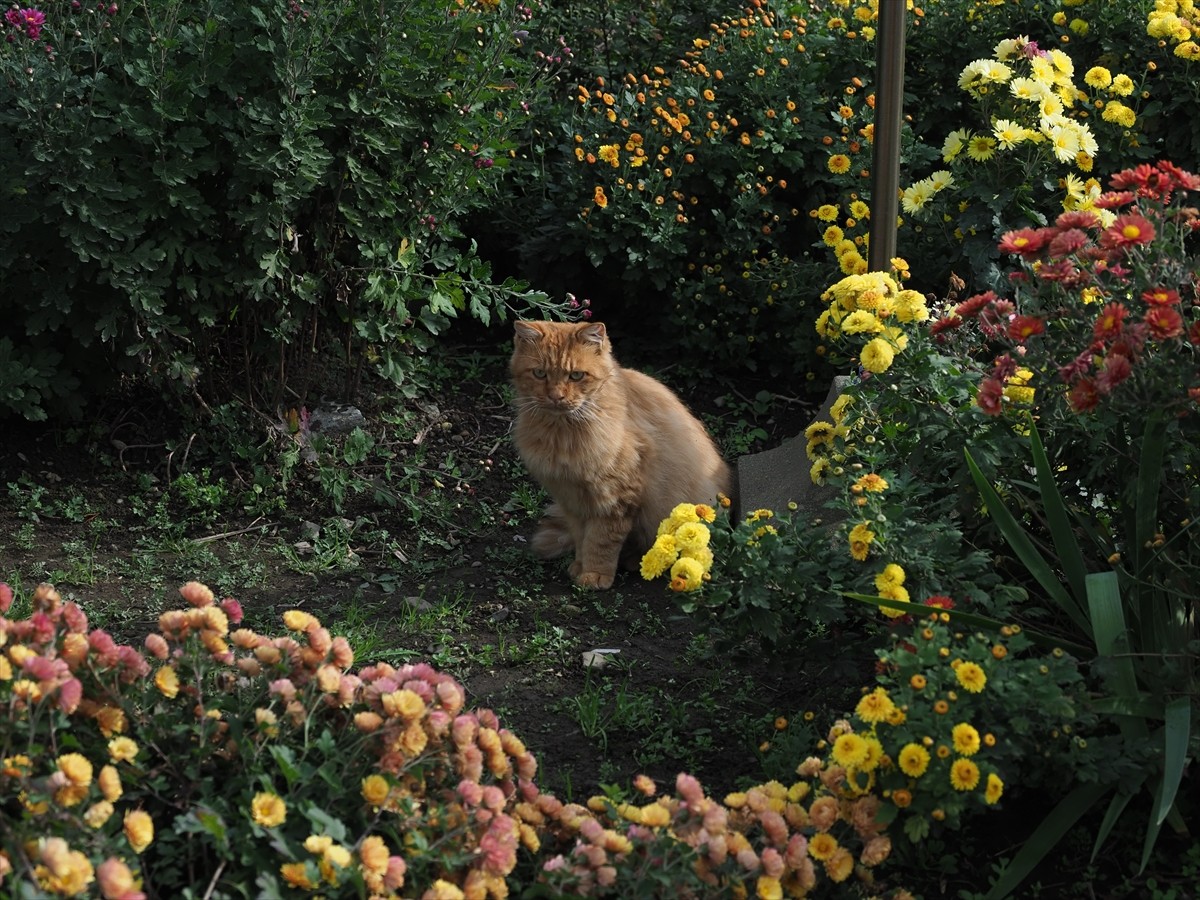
(558, 366)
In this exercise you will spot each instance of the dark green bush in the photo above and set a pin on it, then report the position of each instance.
(214, 191)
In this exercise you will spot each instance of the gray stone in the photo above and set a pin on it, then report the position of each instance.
(336, 419)
(774, 478)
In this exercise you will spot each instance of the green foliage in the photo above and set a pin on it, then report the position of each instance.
(200, 193)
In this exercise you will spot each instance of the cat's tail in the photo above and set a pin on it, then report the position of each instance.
(552, 538)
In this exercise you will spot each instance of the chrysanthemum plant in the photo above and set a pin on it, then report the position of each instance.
(1103, 321)
(246, 764)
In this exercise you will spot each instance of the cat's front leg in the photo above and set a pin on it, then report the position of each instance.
(599, 551)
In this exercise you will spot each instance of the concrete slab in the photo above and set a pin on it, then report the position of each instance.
(776, 477)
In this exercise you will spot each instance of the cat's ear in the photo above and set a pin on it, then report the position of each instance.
(593, 333)
(527, 333)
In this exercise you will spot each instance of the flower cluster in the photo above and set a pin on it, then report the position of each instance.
(862, 310)
(772, 840)
(838, 232)
(1035, 112)
(681, 547)
(222, 708)
(827, 442)
(29, 21)
(1176, 21)
(1103, 306)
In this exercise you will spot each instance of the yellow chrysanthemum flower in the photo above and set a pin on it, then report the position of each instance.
(971, 677)
(913, 760)
(995, 787)
(839, 164)
(965, 739)
(850, 750)
(687, 574)
(1098, 77)
(268, 809)
(981, 148)
(875, 707)
(139, 829)
(822, 845)
(877, 356)
(964, 775)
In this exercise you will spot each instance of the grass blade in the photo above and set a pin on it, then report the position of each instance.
(1025, 550)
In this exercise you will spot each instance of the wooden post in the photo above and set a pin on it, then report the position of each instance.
(889, 115)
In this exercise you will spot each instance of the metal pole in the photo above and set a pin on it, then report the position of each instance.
(889, 115)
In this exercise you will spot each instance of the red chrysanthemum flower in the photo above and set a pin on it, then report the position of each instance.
(991, 390)
(1063, 271)
(939, 601)
(1003, 368)
(1078, 367)
(1024, 327)
(1077, 218)
(972, 306)
(1133, 179)
(1161, 296)
(1116, 369)
(1164, 322)
(945, 323)
(1193, 335)
(1114, 199)
(1083, 396)
(1069, 241)
(1109, 323)
(1026, 241)
(1129, 230)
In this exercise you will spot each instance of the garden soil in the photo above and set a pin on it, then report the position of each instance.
(515, 633)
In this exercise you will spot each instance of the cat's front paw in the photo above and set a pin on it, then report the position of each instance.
(594, 581)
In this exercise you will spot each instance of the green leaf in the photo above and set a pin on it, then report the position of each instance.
(975, 620)
(287, 763)
(916, 829)
(1025, 550)
(326, 824)
(1070, 557)
(1045, 837)
(1108, 626)
(1178, 725)
(1111, 816)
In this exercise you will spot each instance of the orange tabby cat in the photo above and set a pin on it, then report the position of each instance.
(615, 449)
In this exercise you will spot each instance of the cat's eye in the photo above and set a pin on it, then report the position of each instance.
(577, 376)
(539, 373)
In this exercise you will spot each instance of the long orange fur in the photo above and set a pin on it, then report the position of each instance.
(615, 449)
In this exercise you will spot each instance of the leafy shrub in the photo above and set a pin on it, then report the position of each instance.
(687, 182)
(198, 191)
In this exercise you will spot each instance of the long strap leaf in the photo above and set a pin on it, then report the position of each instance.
(1045, 836)
(1070, 557)
(1108, 624)
(975, 620)
(1178, 724)
(1025, 550)
(1113, 814)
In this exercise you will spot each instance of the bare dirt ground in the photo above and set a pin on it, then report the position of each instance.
(427, 562)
